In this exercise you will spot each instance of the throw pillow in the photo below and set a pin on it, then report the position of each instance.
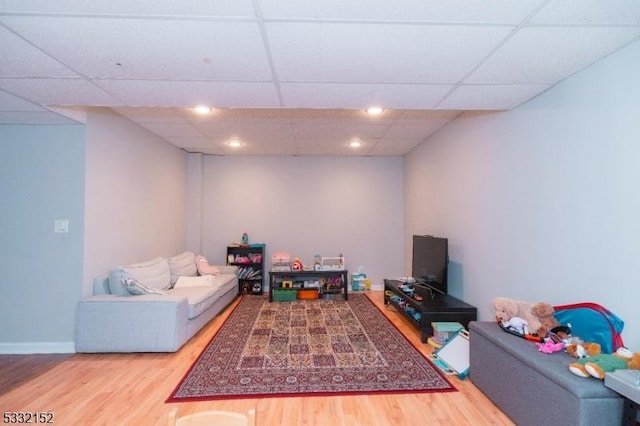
(183, 264)
(205, 280)
(204, 268)
(135, 287)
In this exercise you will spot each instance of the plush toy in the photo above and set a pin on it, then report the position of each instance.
(544, 312)
(549, 347)
(583, 350)
(597, 365)
(506, 308)
(516, 324)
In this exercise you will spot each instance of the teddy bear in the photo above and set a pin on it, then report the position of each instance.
(597, 365)
(544, 311)
(506, 308)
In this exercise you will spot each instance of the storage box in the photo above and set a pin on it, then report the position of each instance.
(443, 331)
(308, 293)
(284, 295)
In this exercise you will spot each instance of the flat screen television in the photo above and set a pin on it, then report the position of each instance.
(430, 261)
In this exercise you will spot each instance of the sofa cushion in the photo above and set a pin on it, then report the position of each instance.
(135, 287)
(183, 264)
(200, 298)
(152, 273)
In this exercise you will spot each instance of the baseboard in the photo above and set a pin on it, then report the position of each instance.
(38, 348)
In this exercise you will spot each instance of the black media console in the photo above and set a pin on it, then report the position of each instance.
(434, 307)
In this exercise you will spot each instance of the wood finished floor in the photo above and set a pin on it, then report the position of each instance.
(130, 389)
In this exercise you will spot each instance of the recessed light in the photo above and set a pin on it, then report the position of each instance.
(355, 143)
(202, 109)
(374, 110)
(234, 143)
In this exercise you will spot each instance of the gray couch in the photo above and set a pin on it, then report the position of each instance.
(114, 320)
(534, 388)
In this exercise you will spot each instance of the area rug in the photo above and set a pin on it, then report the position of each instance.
(307, 348)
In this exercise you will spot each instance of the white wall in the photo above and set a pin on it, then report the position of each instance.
(307, 206)
(543, 202)
(41, 180)
(136, 200)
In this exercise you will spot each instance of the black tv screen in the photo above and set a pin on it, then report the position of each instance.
(430, 261)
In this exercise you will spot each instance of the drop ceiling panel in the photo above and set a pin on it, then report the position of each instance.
(173, 130)
(152, 115)
(33, 117)
(150, 49)
(385, 53)
(625, 12)
(21, 59)
(8, 102)
(501, 11)
(235, 8)
(393, 146)
(332, 95)
(482, 97)
(149, 93)
(58, 91)
(535, 55)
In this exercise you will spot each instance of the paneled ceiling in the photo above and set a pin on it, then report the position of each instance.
(294, 77)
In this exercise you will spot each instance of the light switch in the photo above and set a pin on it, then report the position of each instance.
(61, 226)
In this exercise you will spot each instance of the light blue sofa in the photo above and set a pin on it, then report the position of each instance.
(114, 320)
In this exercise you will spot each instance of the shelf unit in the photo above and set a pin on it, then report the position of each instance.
(249, 258)
(333, 284)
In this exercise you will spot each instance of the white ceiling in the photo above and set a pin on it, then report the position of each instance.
(293, 77)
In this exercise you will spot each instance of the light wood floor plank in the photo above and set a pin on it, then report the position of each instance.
(130, 389)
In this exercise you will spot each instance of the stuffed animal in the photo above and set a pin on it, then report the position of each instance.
(544, 312)
(506, 308)
(516, 324)
(583, 350)
(597, 365)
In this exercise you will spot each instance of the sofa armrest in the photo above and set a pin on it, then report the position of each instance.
(146, 323)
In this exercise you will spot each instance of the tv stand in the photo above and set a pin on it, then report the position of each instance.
(434, 307)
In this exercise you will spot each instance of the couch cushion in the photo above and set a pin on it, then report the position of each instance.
(152, 273)
(200, 298)
(183, 264)
(135, 287)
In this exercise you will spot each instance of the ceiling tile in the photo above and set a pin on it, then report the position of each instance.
(501, 11)
(33, 117)
(220, 8)
(8, 102)
(491, 97)
(152, 115)
(149, 93)
(359, 96)
(173, 130)
(22, 59)
(385, 53)
(47, 91)
(150, 49)
(537, 55)
(393, 146)
(571, 12)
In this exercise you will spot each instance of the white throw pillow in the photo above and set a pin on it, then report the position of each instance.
(153, 273)
(204, 280)
(135, 287)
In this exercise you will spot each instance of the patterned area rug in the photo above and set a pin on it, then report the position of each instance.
(307, 348)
